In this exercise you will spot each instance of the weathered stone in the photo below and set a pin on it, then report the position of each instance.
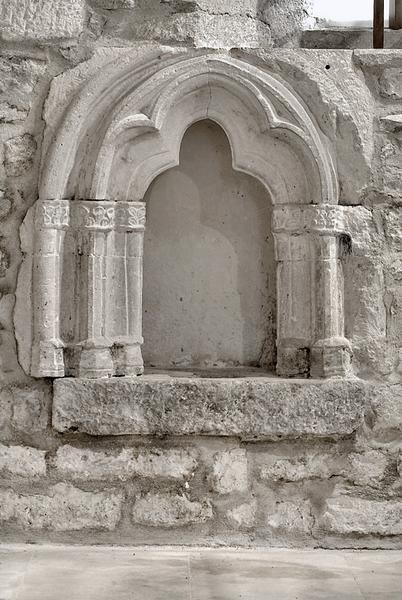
(19, 155)
(229, 471)
(30, 410)
(45, 21)
(255, 408)
(62, 508)
(116, 4)
(6, 401)
(5, 205)
(243, 516)
(357, 516)
(386, 405)
(4, 261)
(365, 469)
(24, 461)
(391, 83)
(18, 77)
(289, 517)
(392, 219)
(391, 155)
(84, 464)
(169, 510)
(309, 466)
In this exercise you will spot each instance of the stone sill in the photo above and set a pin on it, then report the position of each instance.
(247, 407)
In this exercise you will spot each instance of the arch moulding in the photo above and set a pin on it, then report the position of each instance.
(118, 134)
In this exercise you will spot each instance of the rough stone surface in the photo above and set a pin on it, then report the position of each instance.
(19, 154)
(30, 412)
(47, 20)
(164, 510)
(230, 473)
(357, 516)
(390, 83)
(250, 408)
(365, 469)
(208, 23)
(84, 464)
(62, 508)
(243, 516)
(290, 516)
(116, 4)
(20, 460)
(18, 77)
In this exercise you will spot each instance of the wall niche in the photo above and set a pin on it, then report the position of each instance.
(209, 267)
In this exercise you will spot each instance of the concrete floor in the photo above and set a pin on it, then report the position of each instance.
(116, 573)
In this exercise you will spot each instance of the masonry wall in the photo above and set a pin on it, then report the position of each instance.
(344, 492)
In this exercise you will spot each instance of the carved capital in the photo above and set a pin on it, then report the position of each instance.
(53, 214)
(323, 219)
(130, 216)
(100, 215)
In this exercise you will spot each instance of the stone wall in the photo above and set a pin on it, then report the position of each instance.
(199, 490)
(340, 490)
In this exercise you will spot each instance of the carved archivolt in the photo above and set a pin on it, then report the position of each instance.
(122, 130)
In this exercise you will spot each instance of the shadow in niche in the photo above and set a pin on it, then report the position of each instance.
(209, 268)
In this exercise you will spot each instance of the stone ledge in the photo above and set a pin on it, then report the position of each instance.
(253, 408)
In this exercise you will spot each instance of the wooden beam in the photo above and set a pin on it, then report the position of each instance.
(378, 24)
(395, 14)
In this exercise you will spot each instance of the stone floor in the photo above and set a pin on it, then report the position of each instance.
(116, 573)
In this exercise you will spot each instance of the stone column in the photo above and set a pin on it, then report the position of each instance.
(310, 291)
(331, 353)
(51, 221)
(94, 222)
(125, 267)
(294, 308)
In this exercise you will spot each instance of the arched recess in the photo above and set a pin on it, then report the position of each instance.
(209, 292)
(125, 128)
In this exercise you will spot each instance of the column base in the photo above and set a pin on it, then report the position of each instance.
(331, 358)
(293, 361)
(127, 360)
(48, 359)
(95, 362)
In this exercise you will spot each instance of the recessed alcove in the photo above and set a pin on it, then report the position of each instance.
(209, 294)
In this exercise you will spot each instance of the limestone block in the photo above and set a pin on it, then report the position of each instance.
(392, 220)
(290, 517)
(251, 408)
(5, 205)
(357, 516)
(364, 469)
(309, 466)
(45, 20)
(391, 83)
(243, 516)
(23, 461)
(19, 154)
(386, 404)
(115, 4)
(169, 510)
(202, 30)
(30, 411)
(391, 157)
(4, 261)
(83, 464)
(63, 508)
(18, 77)
(6, 401)
(229, 472)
